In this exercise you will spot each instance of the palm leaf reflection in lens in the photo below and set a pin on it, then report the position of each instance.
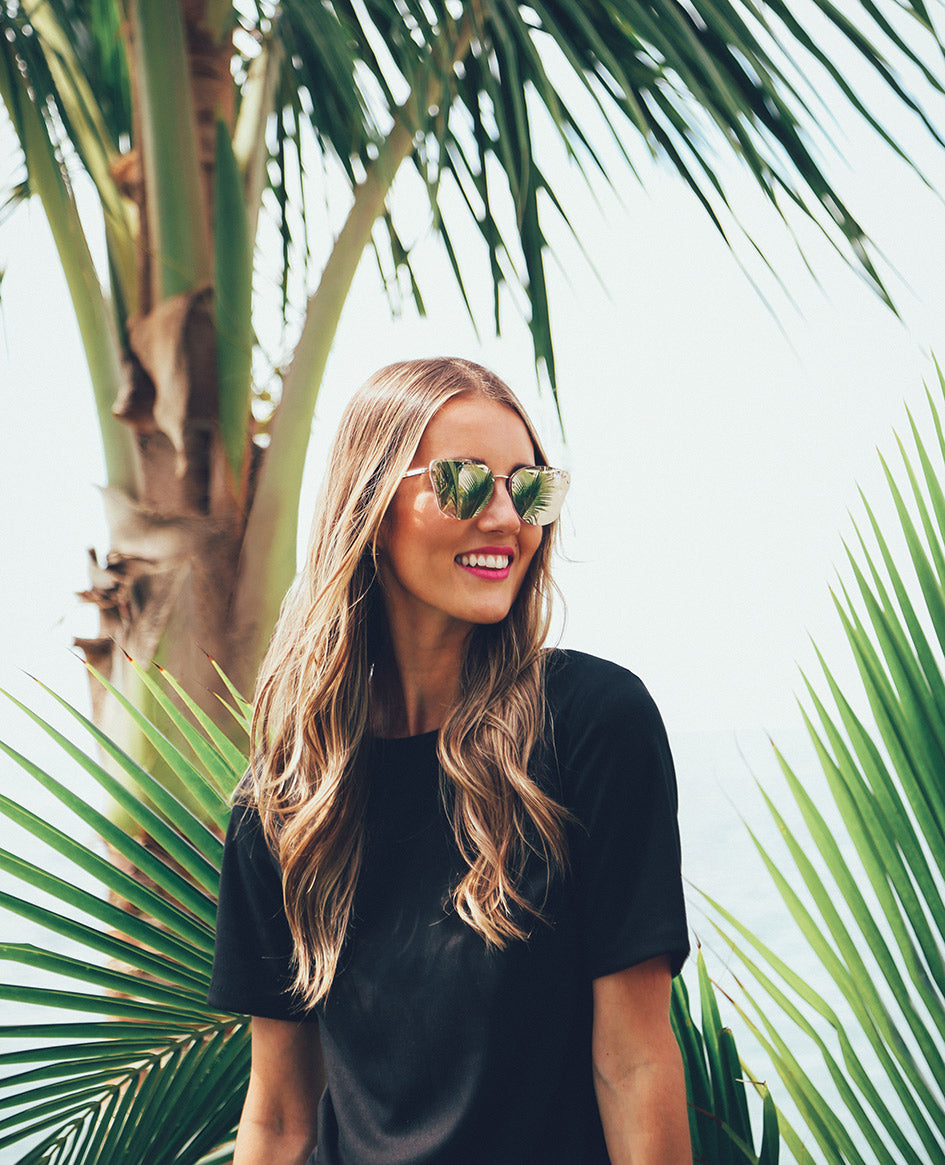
(533, 493)
(463, 488)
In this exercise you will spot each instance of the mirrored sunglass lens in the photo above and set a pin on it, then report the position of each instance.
(538, 493)
(462, 488)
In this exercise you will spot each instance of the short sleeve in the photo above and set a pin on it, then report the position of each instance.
(618, 780)
(252, 958)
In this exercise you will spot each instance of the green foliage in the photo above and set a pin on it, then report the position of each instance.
(717, 1087)
(169, 151)
(161, 1077)
(872, 911)
(478, 87)
(233, 280)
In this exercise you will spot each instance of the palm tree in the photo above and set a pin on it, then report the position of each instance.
(867, 895)
(193, 121)
(140, 1069)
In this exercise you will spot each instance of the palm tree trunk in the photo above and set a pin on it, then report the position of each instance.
(200, 557)
(165, 588)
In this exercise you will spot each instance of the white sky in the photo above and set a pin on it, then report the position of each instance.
(715, 448)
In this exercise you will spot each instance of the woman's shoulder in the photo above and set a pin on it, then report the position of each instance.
(245, 840)
(603, 728)
(576, 680)
(589, 698)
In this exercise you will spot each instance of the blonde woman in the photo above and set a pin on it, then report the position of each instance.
(451, 896)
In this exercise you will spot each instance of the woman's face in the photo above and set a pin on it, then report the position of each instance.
(428, 581)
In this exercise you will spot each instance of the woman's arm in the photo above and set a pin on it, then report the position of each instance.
(638, 1071)
(278, 1125)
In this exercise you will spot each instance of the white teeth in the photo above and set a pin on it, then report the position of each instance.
(487, 561)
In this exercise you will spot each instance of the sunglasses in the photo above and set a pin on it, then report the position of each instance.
(464, 488)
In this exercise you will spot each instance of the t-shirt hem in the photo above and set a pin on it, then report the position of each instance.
(263, 1010)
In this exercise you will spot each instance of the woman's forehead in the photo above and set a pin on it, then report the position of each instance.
(473, 425)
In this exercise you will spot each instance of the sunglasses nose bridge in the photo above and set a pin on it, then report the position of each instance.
(500, 499)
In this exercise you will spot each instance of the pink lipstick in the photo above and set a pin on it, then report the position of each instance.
(487, 562)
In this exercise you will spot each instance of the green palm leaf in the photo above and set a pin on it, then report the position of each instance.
(717, 1085)
(143, 1070)
(686, 82)
(873, 911)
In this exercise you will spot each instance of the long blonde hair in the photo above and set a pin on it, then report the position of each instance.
(312, 704)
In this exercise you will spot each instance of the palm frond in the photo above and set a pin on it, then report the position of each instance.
(233, 305)
(872, 907)
(28, 92)
(690, 83)
(143, 1070)
(717, 1085)
(482, 100)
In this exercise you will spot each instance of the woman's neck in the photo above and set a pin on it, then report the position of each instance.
(414, 684)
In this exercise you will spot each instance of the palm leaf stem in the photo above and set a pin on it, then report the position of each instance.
(872, 832)
(878, 786)
(850, 976)
(82, 971)
(208, 796)
(257, 104)
(831, 1134)
(139, 930)
(912, 639)
(66, 1057)
(104, 1030)
(105, 1077)
(52, 1113)
(93, 315)
(233, 756)
(147, 863)
(233, 294)
(908, 755)
(846, 1077)
(92, 138)
(177, 214)
(218, 774)
(100, 1004)
(106, 944)
(864, 919)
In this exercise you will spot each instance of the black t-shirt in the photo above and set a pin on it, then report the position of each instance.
(437, 1050)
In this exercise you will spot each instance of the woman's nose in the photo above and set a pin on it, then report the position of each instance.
(500, 513)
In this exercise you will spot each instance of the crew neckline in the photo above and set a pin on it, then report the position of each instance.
(419, 736)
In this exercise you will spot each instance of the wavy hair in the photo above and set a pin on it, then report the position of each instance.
(311, 712)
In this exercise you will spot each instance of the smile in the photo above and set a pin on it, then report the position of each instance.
(484, 561)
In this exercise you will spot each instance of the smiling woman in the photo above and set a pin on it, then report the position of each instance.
(431, 595)
(451, 896)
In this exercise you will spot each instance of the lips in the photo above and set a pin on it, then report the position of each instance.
(491, 562)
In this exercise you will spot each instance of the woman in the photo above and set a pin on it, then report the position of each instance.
(453, 875)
